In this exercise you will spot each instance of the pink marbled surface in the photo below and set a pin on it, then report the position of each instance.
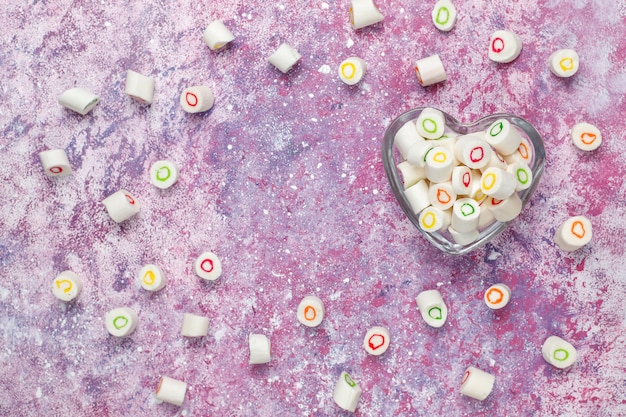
(283, 180)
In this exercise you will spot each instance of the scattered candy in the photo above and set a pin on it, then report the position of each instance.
(432, 308)
(67, 286)
(347, 393)
(197, 99)
(376, 341)
(152, 278)
(558, 352)
(171, 391)
(477, 384)
(55, 163)
(586, 136)
(564, 63)
(121, 321)
(444, 15)
(260, 349)
(504, 46)
(284, 58)
(351, 70)
(497, 296)
(217, 35)
(364, 13)
(139, 87)
(311, 311)
(121, 206)
(194, 326)
(79, 100)
(163, 174)
(430, 70)
(208, 266)
(573, 234)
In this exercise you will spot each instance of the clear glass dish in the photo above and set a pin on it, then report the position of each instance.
(443, 240)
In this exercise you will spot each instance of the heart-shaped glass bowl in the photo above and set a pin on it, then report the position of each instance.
(443, 240)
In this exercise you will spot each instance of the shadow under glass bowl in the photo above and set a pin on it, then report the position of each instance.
(443, 240)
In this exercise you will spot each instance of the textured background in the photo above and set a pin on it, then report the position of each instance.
(283, 179)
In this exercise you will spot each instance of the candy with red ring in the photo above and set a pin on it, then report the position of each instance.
(472, 152)
(197, 99)
(121, 206)
(586, 137)
(505, 210)
(208, 266)
(504, 46)
(477, 384)
(55, 163)
(376, 341)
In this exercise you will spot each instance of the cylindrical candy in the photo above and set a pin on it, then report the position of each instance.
(504, 46)
(197, 99)
(558, 352)
(406, 138)
(432, 308)
(505, 210)
(586, 136)
(410, 173)
(524, 153)
(152, 278)
(347, 392)
(284, 58)
(503, 136)
(417, 154)
(497, 183)
(430, 70)
(497, 296)
(79, 100)
(194, 326)
(472, 152)
(444, 15)
(311, 311)
(431, 123)
(376, 341)
(465, 214)
(139, 87)
(364, 13)
(461, 179)
(352, 70)
(208, 266)
(121, 206)
(417, 196)
(440, 162)
(260, 349)
(67, 286)
(441, 195)
(121, 321)
(432, 219)
(163, 174)
(477, 384)
(486, 215)
(55, 163)
(216, 35)
(564, 63)
(523, 174)
(573, 234)
(464, 238)
(171, 391)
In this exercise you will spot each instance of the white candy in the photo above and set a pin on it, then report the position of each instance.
(284, 58)
(497, 183)
(208, 266)
(444, 15)
(406, 138)
(410, 173)
(121, 321)
(503, 136)
(417, 154)
(461, 180)
(558, 352)
(440, 162)
(78, 99)
(524, 153)
(55, 163)
(448, 140)
(351, 70)
(139, 87)
(260, 349)
(564, 63)
(432, 308)
(417, 196)
(573, 234)
(163, 174)
(465, 215)
(477, 384)
(486, 215)
(430, 70)
(430, 124)
(472, 152)
(586, 136)
(197, 99)
(376, 341)
(523, 173)
(497, 296)
(464, 238)
(432, 219)
(496, 160)
(364, 13)
(194, 326)
(121, 206)
(347, 392)
(217, 35)
(67, 286)
(505, 210)
(152, 278)
(441, 195)
(171, 391)
(504, 46)
(311, 311)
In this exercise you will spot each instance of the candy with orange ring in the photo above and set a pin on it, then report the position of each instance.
(564, 63)
(497, 296)
(586, 136)
(171, 391)
(430, 70)
(152, 278)
(441, 195)
(524, 153)
(67, 286)
(432, 219)
(352, 70)
(311, 311)
(197, 99)
(573, 234)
